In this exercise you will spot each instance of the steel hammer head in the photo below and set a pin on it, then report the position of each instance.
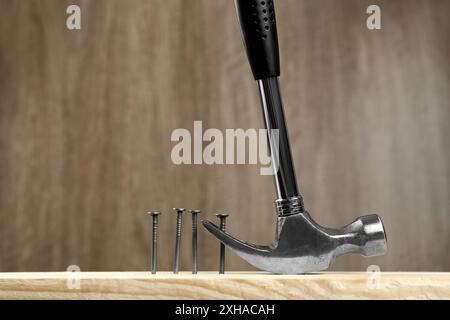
(304, 246)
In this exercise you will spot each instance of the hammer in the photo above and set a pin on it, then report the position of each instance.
(301, 245)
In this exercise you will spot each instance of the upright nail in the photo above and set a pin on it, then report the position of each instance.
(222, 217)
(154, 215)
(195, 214)
(176, 262)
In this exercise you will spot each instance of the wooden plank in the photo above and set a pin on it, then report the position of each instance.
(209, 285)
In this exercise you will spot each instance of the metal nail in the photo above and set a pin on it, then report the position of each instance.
(195, 214)
(154, 215)
(176, 262)
(223, 218)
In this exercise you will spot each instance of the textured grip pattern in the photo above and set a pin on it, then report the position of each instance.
(263, 13)
(259, 30)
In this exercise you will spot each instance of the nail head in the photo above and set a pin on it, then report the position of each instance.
(222, 215)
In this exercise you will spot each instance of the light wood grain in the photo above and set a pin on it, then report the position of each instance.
(135, 285)
(86, 118)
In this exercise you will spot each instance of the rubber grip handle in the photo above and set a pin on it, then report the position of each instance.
(259, 31)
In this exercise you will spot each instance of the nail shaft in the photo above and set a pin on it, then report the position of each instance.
(222, 218)
(155, 244)
(176, 262)
(194, 241)
(154, 253)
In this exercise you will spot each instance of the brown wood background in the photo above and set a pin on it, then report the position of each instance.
(86, 118)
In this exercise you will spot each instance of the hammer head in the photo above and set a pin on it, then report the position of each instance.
(304, 246)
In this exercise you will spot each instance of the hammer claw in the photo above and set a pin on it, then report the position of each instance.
(232, 242)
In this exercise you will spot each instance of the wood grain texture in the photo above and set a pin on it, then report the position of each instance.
(253, 286)
(86, 118)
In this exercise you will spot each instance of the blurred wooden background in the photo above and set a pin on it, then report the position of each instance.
(86, 118)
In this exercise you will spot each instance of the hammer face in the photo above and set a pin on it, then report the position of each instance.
(304, 246)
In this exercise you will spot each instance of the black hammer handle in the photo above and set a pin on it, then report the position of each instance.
(259, 30)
